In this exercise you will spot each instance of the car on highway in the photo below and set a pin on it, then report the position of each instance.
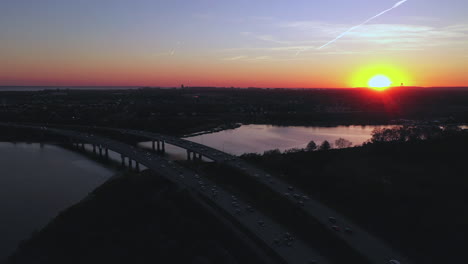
(336, 228)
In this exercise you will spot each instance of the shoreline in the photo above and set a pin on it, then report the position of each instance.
(233, 126)
(213, 130)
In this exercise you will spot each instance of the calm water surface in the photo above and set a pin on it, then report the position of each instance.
(259, 138)
(36, 183)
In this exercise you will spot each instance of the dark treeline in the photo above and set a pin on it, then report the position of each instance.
(188, 110)
(408, 186)
(405, 133)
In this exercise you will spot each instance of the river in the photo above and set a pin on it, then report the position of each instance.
(36, 183)
(259, 138)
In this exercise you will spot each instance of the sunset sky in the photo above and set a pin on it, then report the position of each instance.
(242, 43)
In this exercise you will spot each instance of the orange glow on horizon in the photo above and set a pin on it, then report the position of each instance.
(380, 77)
(172, 72)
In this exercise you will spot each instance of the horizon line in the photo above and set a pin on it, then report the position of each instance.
(210, 86)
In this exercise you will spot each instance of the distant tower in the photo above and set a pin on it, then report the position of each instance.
(402, 84)
(182, 86)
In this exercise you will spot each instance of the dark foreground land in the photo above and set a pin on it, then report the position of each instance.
(183, 111)
(407, 188)
(137, 218)
(413, 194)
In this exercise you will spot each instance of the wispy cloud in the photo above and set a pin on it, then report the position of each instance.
(272, 39)
(236, 58)
(422, 19)
(262, 58)
(403, 36)
(286, 38)
(265, 37)
(363, 23)
(382, 37)
(248, 58)
(162, 54)
(171, 52)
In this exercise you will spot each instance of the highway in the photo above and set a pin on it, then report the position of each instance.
(373, 248)
(282, 242)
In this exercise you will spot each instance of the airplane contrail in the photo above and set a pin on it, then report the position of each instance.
(365, 22)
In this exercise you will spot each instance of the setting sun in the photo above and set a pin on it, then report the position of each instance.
(379, 82)
(380, 76)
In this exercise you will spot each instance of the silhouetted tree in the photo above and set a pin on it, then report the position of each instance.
(409, 133)
(311, 146)
(272, 152)
(293, 150)
(325, 146)
(343, 143)
(250, 156)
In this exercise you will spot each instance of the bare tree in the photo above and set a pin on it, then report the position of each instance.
(343, 143)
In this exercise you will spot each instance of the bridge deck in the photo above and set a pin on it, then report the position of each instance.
(373, 248)
(259, 225)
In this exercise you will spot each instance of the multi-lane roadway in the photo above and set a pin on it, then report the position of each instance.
(280, 241)
(366, 244)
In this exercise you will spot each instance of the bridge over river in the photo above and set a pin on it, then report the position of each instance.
(263, 229)
(372, 248)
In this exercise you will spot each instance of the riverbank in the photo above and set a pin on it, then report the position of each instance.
(138, 218)
(37, 181)
(213, 130)
(412, 194)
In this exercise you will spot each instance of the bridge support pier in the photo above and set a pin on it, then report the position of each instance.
(154, 145)
(130, 163)
(122, 158)
(83, 146)
(107, 153)
(94, 148)
(137, 166)
(163, 147)
(193, 156)
(100, 151)
(159, 146)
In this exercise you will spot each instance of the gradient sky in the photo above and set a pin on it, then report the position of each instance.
(231, 43)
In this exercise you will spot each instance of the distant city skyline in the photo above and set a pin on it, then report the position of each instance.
(244, 43)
